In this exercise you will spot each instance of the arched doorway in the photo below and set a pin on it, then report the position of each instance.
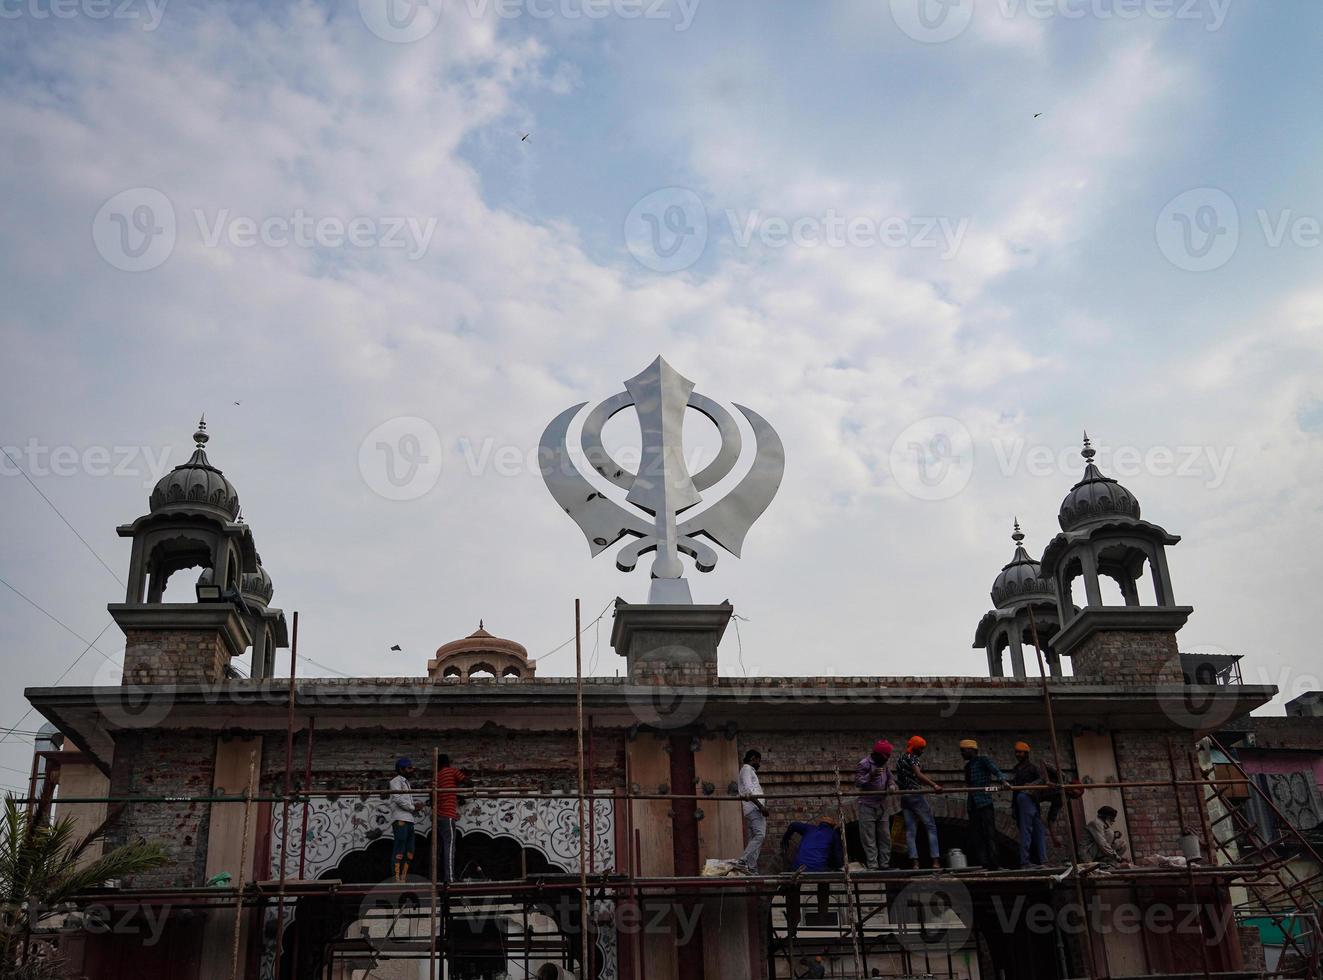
(385, 930)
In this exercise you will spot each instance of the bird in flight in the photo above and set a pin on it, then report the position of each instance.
(524, 137)
(396, 648)
(1037, 114)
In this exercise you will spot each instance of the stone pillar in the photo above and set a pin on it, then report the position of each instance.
(179, 643)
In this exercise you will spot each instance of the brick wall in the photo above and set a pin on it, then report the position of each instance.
(545, 761)
(182, 656)
(803, 762)
(1152, 812)
(1129, 657)
(165, 763)
(181, 763)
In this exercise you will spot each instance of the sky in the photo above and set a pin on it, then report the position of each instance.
(382, 243)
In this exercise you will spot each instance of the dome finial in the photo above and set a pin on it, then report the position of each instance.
(1017, 535)
(200, 437)
(480, 623)
(1088, 451)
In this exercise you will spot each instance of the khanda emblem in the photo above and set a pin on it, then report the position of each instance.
(662, 490)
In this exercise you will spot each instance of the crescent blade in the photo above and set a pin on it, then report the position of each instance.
(602, 520)
(728, 520)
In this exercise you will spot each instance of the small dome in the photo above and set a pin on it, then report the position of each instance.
(1021, 578)
(1095, 497)
(479, 652)
(196, 485)
(256, 586)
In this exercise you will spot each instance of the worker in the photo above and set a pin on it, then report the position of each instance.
(755, 811)
(814, 970)
(820, 847)
(404, 809)
(1027, 805)
(1101, 843)
(448, 780)
(914, 807)
(981, 772)
(873, 776)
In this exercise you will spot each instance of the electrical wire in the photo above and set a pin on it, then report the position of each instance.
(739, 641)
(51, 504)
(59, 622)
(6, 735)
(557, 649)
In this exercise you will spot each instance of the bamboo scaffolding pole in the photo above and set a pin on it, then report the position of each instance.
(852, 913)
(583, 868)
(303, 828)
(436, 846)
(289, 763)
(1185, 829)
(243, 862)
(1091, 964)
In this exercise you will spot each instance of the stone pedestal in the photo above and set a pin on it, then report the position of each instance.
(668, 644)
(1125, 644)
(179, 642)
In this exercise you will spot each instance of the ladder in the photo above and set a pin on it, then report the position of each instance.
(1277, 891)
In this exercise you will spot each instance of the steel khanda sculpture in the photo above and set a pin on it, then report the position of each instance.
(663, 488)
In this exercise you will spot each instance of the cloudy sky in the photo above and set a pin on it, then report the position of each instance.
(930, 242)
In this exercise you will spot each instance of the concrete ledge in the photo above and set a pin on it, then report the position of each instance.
(1117, 619)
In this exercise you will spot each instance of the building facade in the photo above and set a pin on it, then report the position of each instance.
(599, 806)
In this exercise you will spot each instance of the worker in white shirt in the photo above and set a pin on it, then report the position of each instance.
(755, 811)
(404, 809)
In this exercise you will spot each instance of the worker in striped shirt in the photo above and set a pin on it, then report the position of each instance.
(448, 780)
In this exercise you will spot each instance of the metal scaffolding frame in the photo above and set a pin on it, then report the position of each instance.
(860, 897)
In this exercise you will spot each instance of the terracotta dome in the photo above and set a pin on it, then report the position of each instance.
(460, 660)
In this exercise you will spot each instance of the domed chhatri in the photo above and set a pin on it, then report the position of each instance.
(481, 653)
(257, 587)
(1095, 497)
(1019, 591)
(196, 484)
(1021, 578)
